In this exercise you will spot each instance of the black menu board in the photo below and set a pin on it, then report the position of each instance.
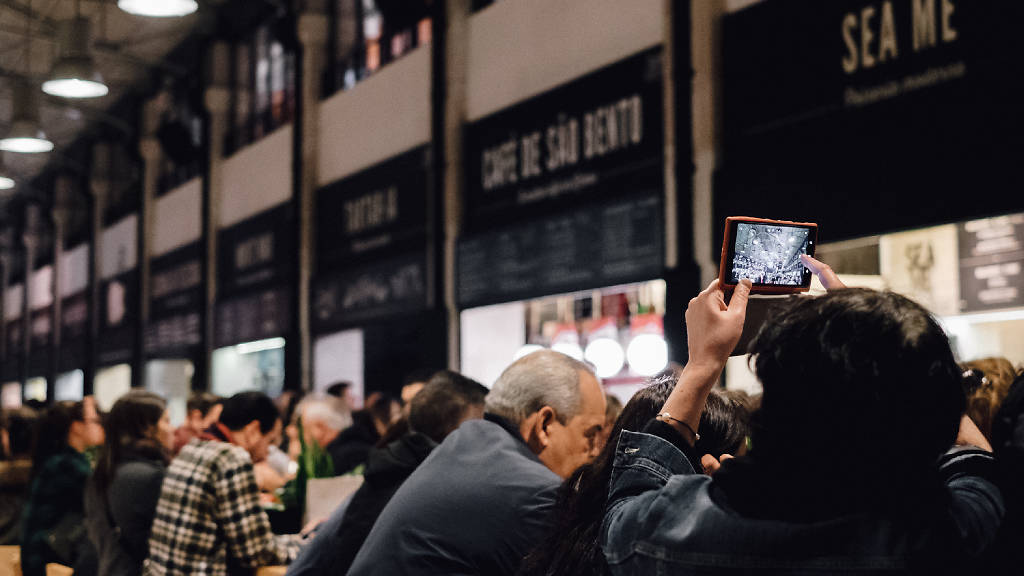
(119, 309)
(74, 331)
(177, 297)
(992, 263)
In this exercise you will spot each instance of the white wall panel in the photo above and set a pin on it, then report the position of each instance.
(384, 115)
(120, 247)
(257, 178)
(42, 288)
(74, 271)
(178, 217)
(14, 299)
(522, 48)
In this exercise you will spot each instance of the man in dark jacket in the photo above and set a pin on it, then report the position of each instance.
(484, 497)
(448, 400)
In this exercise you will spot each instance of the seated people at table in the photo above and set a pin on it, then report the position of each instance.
(203, 409)
(484, 497)
(447, 400)
(52, 530)
(209, 516)
(16, 430)
(120, 499)
(852, 465)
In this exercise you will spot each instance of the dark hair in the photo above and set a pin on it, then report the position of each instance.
(724, 423)
(436, 410)
(244, 407)
(129, 426)
(202, 401)
(418, 375)
(52, 431)
(851, 377)
(338, 389)
(574, 549)
(379, 407)
(20, 425)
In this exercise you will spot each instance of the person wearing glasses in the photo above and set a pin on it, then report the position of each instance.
(53, 527)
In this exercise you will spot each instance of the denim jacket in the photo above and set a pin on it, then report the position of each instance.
(663, 518)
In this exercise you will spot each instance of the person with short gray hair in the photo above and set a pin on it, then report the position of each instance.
(323, 422)
(484, 498)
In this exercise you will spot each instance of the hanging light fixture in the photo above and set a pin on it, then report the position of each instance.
(74, 74)
(26, 135)
(158, 8)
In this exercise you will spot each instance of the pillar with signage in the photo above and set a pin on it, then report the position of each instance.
(118, 311)
(564, 231)
(373, 313)
(40, 358)
(253, 313)
(11, 373)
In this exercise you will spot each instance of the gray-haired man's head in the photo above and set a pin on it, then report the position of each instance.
(323, 419)
(556, 403)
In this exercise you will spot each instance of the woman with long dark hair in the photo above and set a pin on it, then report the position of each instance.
(120, 501)
(52, 519)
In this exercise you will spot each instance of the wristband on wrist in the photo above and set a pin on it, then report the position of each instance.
(666, 416)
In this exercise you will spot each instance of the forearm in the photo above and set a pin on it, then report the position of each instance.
(686, 402)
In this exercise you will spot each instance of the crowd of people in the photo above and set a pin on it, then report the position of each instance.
(870, 451)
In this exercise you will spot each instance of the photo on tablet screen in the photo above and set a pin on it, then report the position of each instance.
(768, 254)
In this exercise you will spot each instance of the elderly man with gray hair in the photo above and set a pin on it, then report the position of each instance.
(484, 497)
(323, 420)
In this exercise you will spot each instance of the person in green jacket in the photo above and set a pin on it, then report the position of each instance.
(52, 521)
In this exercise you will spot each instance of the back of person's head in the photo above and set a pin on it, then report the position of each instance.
(991, 378)
(338, 389)
(244, 407)
(203, 402)
(852, 377)
(132, 424)
(446, 400)
(543, 378)
(20, 425)
(574, 547)
(724, 424)
(52, 431)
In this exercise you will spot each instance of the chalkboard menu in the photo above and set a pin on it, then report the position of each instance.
(119, 309)
(992, 263)
(600, 135)
(74, 331)
(253, 316)
(381, 209)
(257, 252)
(386, 288)
(15, 341)
(374, 243)
(599, 245)
(869, 117)
(176, 301)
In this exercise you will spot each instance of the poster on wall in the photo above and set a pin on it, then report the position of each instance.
(992, 263)
(176, 299)
(922, 265)
(597, 136)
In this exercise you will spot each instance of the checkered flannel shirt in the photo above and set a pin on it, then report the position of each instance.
(209, 507)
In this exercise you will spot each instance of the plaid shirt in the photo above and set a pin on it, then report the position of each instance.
(209, 507)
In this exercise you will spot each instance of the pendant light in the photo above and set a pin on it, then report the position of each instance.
(74, 74)
(6, 182)
(26, 134)
(158, 8)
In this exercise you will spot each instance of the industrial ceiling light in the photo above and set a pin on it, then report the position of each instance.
(26, 135)
(74, 74)
(5, 182)
(158, 8)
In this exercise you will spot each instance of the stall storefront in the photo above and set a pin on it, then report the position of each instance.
(40, 357)
(14, 329)
(886, 124)
(373, 307)
(73, 356)
(117, 346)
(254, 308)
(564, 226)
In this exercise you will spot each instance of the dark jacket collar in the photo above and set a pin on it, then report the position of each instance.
(505, 424)
(398, 459)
